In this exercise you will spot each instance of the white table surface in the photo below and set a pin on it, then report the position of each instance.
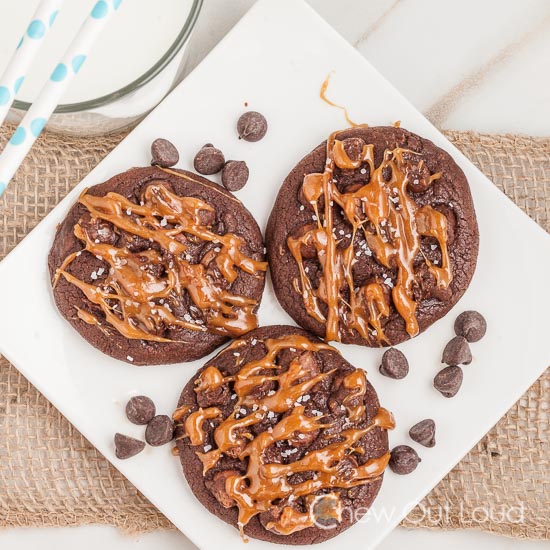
(470, 65)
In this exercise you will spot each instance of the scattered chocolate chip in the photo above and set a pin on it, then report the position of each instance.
(160, 430)
(127, 447)
(140, 410)
(252, 126)
(164, 153)
(235, 175)
(209, 160)
(424, 432)
(457, 352)
(448, 381)
(472, 325)
(394, 364)
(404, 460)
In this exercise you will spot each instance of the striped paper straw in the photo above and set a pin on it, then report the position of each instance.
(28, 46)
(40, 111)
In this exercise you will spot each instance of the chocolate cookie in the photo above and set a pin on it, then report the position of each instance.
(158, 266)
(281, 437)
(373, 237)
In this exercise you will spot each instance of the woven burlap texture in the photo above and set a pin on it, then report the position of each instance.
(51, 476)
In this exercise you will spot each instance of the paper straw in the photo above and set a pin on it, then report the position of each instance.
(40, 111)
(28, 46)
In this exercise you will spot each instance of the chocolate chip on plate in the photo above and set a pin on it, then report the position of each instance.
(140, 409)
(235, 175)
(209, 160)
(424, 432)
(394, 364)
(127, 447)
(164, 153)
(457, 352)
(251, 126)
(403, 460)
(160, 430)
(448, 381)
(472, 325)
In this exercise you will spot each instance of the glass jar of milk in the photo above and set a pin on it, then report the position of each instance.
(136, 61)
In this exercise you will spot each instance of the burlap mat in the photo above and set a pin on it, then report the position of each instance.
(51, 476)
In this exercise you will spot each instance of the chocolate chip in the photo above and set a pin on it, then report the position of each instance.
(404, 460)
(164, 153)
(209, 160)
(448, 381)
(457, 352)
(252, 126)
(424, 432)
(140, 409)
(394, 364)
(127, 447)
(160, 430)
(472, 325)
(235, 175)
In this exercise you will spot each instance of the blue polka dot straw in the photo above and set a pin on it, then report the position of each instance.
(28, 47)
(61, 76)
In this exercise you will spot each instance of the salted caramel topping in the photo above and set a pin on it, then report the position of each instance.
(264, 483)
(134, 298)
(390, 225)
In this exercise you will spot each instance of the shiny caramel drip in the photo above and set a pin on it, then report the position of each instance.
(396, 224)
(263, 483)
(323, 96)
(133, 299)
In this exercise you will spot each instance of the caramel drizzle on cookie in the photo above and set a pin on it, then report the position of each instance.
(391, 223)
(135, 300)
(263, 483)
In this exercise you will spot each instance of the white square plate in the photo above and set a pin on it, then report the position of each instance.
(276, 59)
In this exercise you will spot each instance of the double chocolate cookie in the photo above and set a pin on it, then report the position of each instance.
(281, 437)
(158, 266)
(373, 237)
